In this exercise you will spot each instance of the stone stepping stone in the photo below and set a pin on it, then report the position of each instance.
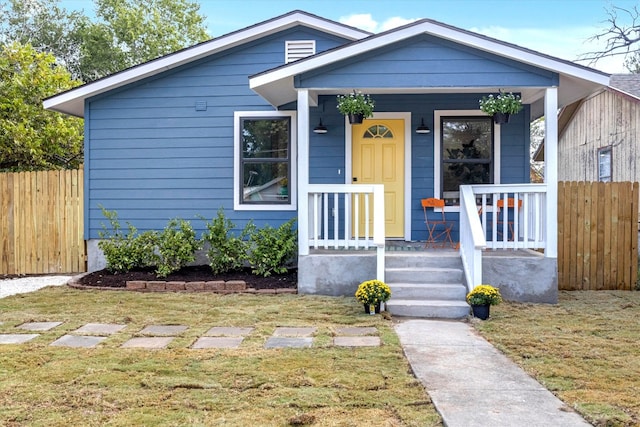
(291, 342)
(164, 329)
(148, 342)
(294, 332)
(100, 328)
(77, 341)
(16, 338)
(39, 326)
(217, 342)
(355, 331)
(356, 341)
(224, 331)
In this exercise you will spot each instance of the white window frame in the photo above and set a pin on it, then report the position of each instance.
(437, 154)
(609, 151)
(237, 173)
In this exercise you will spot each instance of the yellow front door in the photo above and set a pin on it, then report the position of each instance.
(378, 158)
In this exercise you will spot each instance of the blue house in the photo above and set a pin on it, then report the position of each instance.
(239, 122)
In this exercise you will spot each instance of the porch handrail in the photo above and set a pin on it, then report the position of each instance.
(335, 217)
(472, 238)
(519, 225)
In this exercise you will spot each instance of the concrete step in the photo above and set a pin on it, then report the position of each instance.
(431, 291)
(424, 275)
(423, 260)
(428, 309)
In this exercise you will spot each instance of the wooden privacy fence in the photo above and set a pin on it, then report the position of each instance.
(41, 222)
(597, 235)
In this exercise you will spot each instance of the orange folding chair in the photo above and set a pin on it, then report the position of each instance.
(439, 231)
(503, 214)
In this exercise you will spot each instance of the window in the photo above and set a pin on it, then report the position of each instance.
(604, 164)
(466, 151)
(265, 172)
(378, 131)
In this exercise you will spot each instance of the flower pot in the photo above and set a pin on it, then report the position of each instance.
(367, 308)
(356, 119)
(501, 118)
(481, 311)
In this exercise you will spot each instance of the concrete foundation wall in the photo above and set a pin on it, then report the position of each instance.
(95, 257)
(530, 278)
(334, 275)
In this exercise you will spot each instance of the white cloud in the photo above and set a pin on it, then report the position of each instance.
(569, 43)
(366, 22)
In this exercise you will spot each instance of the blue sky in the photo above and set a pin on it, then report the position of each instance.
(555, 27)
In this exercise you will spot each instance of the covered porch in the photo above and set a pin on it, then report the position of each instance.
(433, 74)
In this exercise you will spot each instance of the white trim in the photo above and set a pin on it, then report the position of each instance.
(72, 101)
(302, 165)
(551, 170)
(437, 155)
(436, 29)
(293, 160)
(348, 158)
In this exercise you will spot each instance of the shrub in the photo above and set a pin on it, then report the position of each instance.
(177, 246)
(226, 252)
(272, 248)
(126, 251)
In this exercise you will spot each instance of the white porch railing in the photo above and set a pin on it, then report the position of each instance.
(340, 218)
(518, 224)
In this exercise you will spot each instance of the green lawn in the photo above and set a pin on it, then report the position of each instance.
(326, 385)
(586, 350)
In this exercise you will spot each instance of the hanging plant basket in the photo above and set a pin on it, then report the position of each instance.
(501, 118)
(357, 106)
(356, 119)
(501, 106)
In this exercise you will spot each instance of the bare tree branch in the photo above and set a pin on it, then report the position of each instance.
(620, 38)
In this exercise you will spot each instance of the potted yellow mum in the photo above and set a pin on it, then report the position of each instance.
(481, 298)
(371, 293)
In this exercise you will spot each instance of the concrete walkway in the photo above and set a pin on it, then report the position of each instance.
(473, 384)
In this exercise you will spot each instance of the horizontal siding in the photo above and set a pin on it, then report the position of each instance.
(425, 61)
(152, 156)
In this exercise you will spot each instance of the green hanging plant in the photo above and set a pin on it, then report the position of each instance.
(506, 103)
(356, 103)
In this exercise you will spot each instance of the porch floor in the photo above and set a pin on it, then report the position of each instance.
(402, 246)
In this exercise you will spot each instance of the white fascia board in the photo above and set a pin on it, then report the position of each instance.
(72, 101)
(444, 32)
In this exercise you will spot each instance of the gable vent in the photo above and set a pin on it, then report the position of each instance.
(298, 49)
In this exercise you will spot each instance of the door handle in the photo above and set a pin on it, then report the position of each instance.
(354, 179)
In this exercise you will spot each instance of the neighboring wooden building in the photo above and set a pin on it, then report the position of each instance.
(599, 136)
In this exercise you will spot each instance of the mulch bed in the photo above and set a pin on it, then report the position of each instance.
(104, 278)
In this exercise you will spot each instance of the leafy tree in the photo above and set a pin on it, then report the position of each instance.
(124, 33)
(32, 138)
(621, 37)
(45, 26)
(143, 30)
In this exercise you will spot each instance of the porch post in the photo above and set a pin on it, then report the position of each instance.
(303, 172)
(551, 170)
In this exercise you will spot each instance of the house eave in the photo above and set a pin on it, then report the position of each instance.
(282, 88)
(72, 101)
